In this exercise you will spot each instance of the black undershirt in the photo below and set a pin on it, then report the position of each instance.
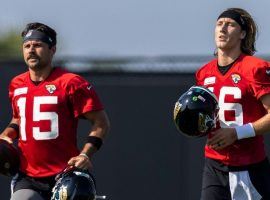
(224, 69)
(36, 82)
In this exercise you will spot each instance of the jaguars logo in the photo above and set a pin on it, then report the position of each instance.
(63, 193)
(51, 88)
(60, 194)
(236, 78)
(177, 107)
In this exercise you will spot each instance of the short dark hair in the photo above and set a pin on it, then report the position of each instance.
(42, 28)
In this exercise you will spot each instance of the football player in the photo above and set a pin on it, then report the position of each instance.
(236, 166)
(47, 103)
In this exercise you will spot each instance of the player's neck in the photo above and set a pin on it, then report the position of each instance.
(227, 57)
(40, 74)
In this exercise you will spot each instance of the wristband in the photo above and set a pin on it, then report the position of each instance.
(15, 127)
(245, 131)
(84, 155)
(96, 141)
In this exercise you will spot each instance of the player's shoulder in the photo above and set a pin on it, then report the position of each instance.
(254, 68)
(19, 79)
(253, 62)
(67, 78)
(64, 74)
(206, 68)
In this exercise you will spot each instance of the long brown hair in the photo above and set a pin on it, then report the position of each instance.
(248, 42)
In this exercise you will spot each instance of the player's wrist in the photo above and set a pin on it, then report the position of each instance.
(6, 138)
(245, 131)
(13, 131)
(84, 155)
(88, 150)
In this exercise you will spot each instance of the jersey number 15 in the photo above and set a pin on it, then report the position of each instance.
(38, 116)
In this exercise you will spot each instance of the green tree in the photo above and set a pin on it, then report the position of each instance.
(10, 45)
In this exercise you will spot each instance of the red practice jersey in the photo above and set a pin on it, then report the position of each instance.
(238, 92)
(48, 115)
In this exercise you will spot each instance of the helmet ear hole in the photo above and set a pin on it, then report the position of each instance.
(195, 112)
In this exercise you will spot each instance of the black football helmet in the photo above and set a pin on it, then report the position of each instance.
(196, 112)
(9, 158)
(74, 184)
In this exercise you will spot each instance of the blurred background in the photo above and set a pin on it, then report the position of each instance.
(140, 55)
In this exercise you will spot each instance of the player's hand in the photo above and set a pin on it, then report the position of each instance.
(222, 138)
(6, 138)
(81, 162)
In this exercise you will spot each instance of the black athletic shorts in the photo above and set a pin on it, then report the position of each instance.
(43, 186)
(221, 182)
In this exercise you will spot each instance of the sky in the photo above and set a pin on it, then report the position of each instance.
(132, 27)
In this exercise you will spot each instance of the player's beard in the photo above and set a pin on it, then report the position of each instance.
(35, 63)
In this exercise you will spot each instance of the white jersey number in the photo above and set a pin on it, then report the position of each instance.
(236, 107)
(38, 116)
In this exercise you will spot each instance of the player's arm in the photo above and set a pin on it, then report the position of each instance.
(262, 125)
(100, 126)
(12, 131)
(224, 137)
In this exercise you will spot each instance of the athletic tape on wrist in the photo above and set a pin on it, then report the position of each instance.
(245, 131)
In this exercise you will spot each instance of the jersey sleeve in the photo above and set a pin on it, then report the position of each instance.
(260, 82)
(83, 97)
(15, 112)
(200, 75)
(198, 78)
